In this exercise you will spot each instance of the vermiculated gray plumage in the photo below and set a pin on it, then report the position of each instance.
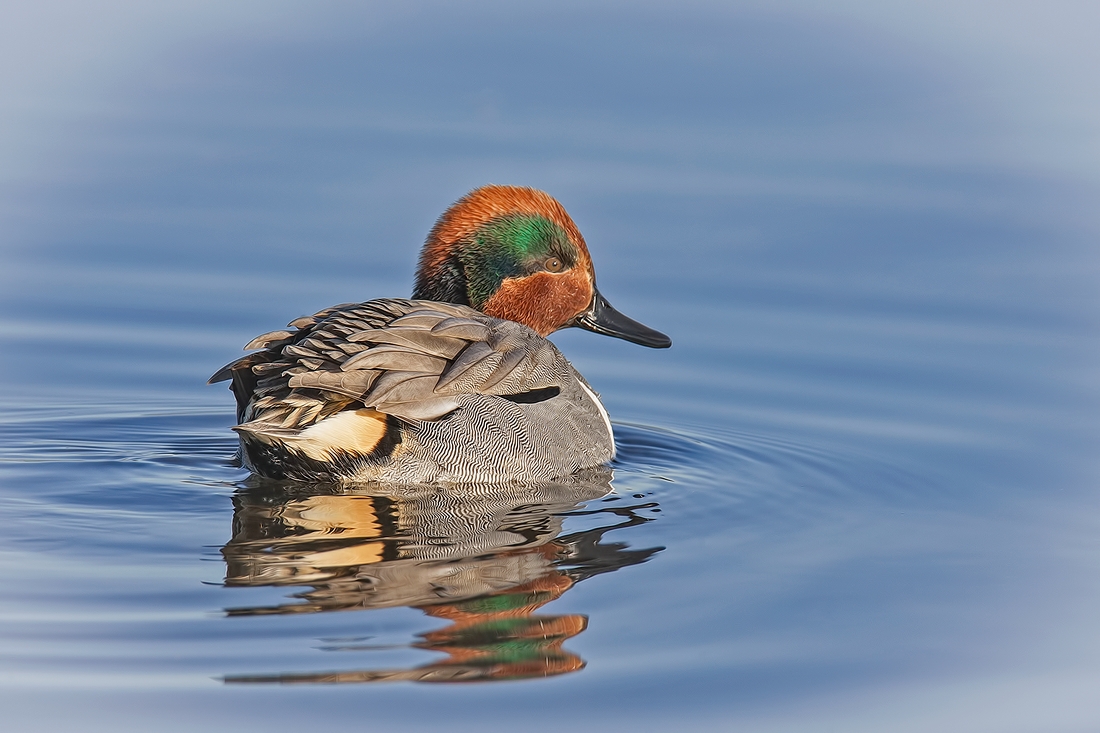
(415, 545)
(464, 397)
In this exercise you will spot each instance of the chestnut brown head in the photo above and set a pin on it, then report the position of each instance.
(514, 253)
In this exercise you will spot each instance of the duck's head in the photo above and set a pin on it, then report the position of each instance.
(514, 253)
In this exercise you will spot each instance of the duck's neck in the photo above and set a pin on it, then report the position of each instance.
(443, 283)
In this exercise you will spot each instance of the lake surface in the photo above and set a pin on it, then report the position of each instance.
(859, 493)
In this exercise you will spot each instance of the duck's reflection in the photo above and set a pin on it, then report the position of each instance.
(484, 558)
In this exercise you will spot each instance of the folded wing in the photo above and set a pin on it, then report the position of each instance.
(409, 359)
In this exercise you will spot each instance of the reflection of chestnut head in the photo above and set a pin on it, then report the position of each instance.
(485, 558)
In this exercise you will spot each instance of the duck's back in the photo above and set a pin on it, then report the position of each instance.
(413, 391)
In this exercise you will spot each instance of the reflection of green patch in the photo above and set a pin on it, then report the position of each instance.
(503, 602)
(515, 650)
(497, 632)
(510, 246)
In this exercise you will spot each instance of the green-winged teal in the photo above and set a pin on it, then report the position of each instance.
(458, 384)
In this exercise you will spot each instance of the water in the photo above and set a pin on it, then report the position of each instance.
(857, 494)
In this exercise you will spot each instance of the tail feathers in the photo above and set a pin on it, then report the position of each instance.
(351, 432)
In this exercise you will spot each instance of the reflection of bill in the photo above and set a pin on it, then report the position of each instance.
(484, 558)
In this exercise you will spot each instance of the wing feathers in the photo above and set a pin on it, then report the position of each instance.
(395, 360)
(463, 328)
(429, 409)
(474, 363)
(352, 384)
(268, 339)
(410, 359)
(412, 338)
(510, 366)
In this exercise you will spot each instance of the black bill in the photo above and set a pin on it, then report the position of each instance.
(602, 318)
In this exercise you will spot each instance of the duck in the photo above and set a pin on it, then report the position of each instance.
(456, 385)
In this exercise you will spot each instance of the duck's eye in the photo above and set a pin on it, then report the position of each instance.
(553, 265)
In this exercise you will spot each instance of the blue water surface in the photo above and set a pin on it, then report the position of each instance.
(859, 492)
